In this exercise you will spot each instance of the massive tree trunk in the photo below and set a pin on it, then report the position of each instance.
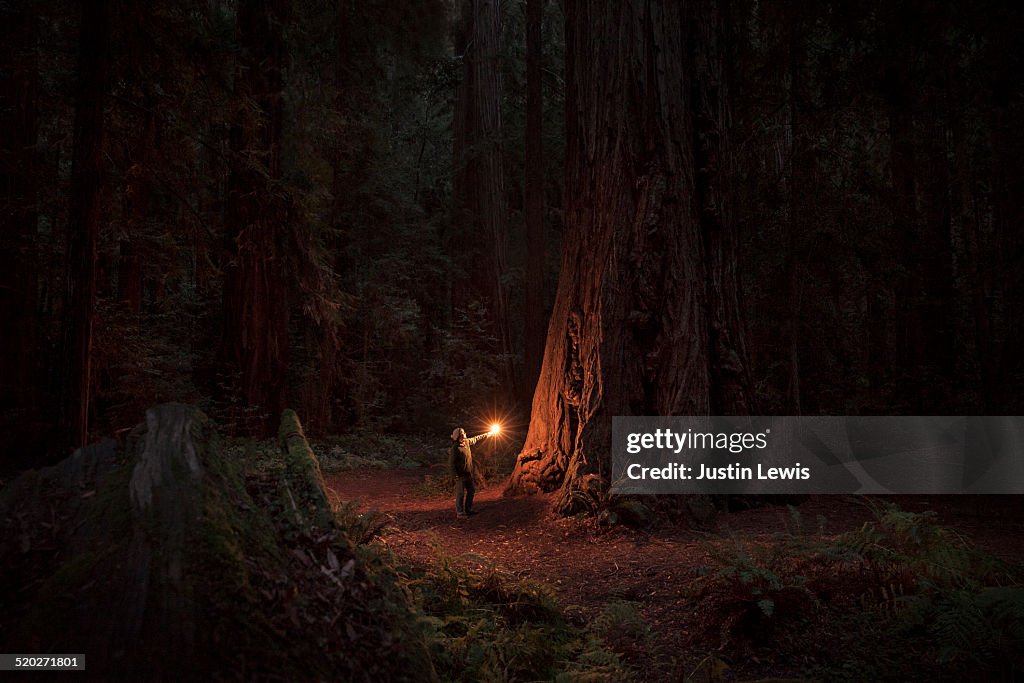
(259, 212)
(19, 121)
(534, 199)
(84, 221)
(646, 318)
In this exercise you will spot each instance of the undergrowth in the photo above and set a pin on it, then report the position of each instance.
(371, 450)
(475, 626)
(486, 625)
(901, 596)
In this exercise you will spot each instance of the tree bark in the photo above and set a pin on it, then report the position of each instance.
(905, 219)
(259, 212)
(459, 243)
(19, 119)
(1007, 188)
(534, 199)
(303, 479)
(137, 193)
(798, 181)
(937, 306)
(646, 318)
(84, 220)
(479, 172)
(901, 103)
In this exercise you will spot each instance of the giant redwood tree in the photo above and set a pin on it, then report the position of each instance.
(646, 317)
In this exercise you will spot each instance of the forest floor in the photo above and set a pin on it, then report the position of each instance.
(591, 566)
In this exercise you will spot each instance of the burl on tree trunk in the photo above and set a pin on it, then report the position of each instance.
(646, 317)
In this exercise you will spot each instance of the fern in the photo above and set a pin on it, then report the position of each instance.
(900, 544)
(361, 527)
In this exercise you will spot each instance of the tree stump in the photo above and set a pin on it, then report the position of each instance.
(148, 573)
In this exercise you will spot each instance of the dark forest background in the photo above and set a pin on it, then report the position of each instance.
(356, 209)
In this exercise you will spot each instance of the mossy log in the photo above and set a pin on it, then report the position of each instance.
(304, 480)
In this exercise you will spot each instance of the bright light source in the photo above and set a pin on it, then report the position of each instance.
(495, 428)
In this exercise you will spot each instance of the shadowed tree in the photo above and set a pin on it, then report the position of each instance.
(19, 121)
(259, 212)
(534, 196)
(646, 317)
(84, 221)
(479, 182)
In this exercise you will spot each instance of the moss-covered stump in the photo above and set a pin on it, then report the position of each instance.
(156, 562)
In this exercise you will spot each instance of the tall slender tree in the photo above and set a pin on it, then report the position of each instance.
(84, 220)
(19, 119)
(259, 214)
(646, 317)
(479, 169)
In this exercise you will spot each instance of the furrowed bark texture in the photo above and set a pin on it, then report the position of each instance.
(646, 317)
(534, 196)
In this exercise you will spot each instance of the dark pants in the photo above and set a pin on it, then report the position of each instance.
(464, 490)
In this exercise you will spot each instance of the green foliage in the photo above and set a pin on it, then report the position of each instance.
(143, 359)
(361, 527)
(467, 367)
(375, 450)
(487, 626)
(898, 586)
(983, 627)
(475, 625)
(754, 589)
(624, 629)
(911, 545)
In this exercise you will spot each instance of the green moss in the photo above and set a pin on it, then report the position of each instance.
(303, 471)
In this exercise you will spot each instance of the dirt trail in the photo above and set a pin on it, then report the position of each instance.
(589, 565)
